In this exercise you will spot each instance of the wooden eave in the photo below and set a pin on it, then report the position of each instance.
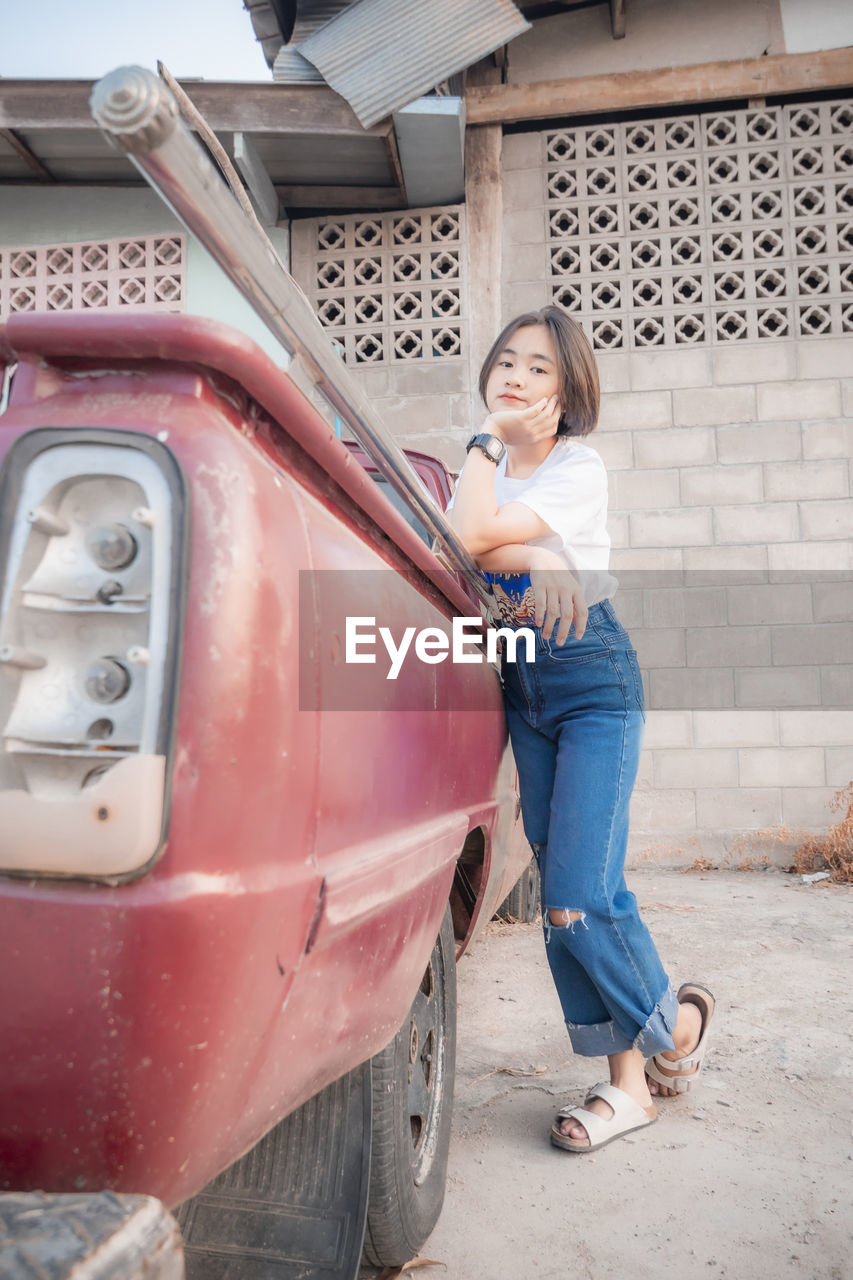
(249, 107)
(780, 74)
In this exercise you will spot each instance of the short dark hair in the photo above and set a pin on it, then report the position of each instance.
(576, 368)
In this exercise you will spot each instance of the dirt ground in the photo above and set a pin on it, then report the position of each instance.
(748, 1176)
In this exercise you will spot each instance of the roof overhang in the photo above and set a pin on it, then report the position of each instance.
(306, 138)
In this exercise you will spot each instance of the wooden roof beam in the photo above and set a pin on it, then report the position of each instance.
(28, 156)
(617, 19)
(227, 107)
(667, 86)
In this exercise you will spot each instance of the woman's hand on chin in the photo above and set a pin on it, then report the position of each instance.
(557, 595)
(530, 425)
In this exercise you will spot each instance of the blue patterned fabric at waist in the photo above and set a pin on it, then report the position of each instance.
(513, 598)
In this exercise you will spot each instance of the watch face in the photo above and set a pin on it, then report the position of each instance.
(495, 447)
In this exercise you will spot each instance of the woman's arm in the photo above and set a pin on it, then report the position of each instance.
(557, 594)
(480, 522)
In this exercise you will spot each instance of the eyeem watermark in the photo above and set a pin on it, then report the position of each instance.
(433, 645)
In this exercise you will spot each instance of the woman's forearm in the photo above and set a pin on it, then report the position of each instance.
(475, 504)
(519, 557)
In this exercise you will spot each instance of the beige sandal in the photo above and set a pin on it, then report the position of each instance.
(627, 1116)
(685, 1070)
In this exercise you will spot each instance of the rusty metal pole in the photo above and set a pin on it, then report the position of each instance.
(138, 114)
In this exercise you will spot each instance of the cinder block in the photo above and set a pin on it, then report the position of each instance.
(664, 607)
(667, 811)
(617, 527)
(778, 687)
(836, 686)
(439, 444)
(769, 522)
(635, 411)
(808, 807)
(772, 602)
(762, 442)
(713, 767)
(519, 188)
(629, 606)
(524, 226)
(728, 646)
(817, 399)
(443, 377)
(730, 563)
(377, 381)
(833, 439)
(668, 729)
(525, 295)
(827, 520)
(645, 559)
(638, 489)
(708, 486)
(747, 808)
(847, 397)
(614, 372)
(735, 728)
(413, 415)
(827, 358)
(798, 481)
(663, 370)
(675, 447)
(691, 688)
(781, 766)
(833, 601)
(741, 362)
(659, 648)
(523, 151)
(684, 605)
(459, 415)
(839, 766)
(825, 728)
(713, 406)
(804, 557)
(527, 262)
(822, 644)
(677, 527)
(615, 448)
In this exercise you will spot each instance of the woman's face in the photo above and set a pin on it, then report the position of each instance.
(524, 372)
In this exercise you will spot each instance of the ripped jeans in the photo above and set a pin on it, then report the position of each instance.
(576, 717)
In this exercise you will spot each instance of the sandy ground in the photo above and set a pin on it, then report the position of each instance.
(748, 1176)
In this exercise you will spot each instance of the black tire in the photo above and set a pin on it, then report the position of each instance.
(412, 1113)
(522, 904)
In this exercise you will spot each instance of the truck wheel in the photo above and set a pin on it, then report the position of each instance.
(412, 1111)
(522, 903)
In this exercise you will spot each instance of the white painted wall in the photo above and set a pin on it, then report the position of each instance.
(816, 24)
(659, 33)
(32, 216)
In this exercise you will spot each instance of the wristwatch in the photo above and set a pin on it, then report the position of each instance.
(492, 446)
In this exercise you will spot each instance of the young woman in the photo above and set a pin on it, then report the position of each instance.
(531, 506)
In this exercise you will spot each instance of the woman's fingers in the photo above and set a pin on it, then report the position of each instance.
(558, 602)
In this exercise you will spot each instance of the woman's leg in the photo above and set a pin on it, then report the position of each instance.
(593, 915)
(536, 760)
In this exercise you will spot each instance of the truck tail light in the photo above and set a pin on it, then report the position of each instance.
(92, 565)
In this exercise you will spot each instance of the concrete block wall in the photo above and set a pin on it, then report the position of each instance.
(732, 528)
(739, 487)
(399, 281)
(731, 521)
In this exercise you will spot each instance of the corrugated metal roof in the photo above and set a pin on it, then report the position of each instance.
(290, 67)
(382, 54)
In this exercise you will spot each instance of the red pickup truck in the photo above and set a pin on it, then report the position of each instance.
(229, 909)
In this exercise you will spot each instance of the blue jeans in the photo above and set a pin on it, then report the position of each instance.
(576, 716)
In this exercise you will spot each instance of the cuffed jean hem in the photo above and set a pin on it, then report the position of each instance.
(599, 1039)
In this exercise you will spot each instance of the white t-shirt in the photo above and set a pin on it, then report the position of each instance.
(569, 492)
